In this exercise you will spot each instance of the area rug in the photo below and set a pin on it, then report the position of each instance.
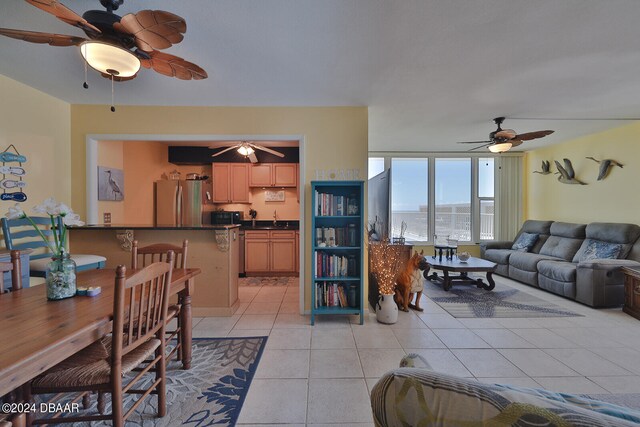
(210, 393)
(268, 281)
(466, 301)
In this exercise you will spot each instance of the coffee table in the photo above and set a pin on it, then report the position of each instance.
(472, 265)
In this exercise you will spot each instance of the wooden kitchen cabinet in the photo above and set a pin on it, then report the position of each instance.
(270, 251)
(273, 175)
(230, 183)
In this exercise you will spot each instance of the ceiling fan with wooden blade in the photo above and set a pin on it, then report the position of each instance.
(247, 149)
(502, 140)
(138, 37)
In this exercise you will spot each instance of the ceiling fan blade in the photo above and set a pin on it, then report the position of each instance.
(173, 66)
(482, 146)
(475, 142)
(118, 78)
(268, 150)
(64, 14)
(153, 29)
(224, 151)
(533, 135)
(252, 157)
(505, 133)
(515, 142)
(37, 37)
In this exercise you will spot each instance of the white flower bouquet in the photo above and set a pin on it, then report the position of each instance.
(61, 271)
(54, 210)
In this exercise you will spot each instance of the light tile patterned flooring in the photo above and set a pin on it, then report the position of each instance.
(323, 374)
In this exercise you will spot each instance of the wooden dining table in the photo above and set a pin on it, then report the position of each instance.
(36, 334)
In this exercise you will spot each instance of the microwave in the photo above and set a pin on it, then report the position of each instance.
(226, 217)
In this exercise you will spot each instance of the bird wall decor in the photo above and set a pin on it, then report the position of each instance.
(545, 168)
(605, 166)
(567, 174)
(114, 186)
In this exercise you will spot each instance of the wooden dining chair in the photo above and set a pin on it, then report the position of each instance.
(142, 256)
(15, 268)
(139, 318)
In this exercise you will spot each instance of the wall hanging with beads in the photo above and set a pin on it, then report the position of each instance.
(12, 171)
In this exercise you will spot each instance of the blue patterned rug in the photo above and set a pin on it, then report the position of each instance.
(466, 301)
(210, 393)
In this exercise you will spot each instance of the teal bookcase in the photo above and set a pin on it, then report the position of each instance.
(337, 247)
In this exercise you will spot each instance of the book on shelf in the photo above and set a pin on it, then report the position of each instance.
(327, 204)
(330, 265)
(331, 294)
(335, 236)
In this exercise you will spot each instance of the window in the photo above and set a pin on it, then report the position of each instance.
(376, 166)
(409, 198)
(486, 197)
(453, 198)
(459, 191)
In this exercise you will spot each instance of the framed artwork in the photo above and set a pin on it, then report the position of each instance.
(110, 184)
(274, 196)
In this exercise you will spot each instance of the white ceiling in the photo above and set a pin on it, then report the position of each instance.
(432, 72)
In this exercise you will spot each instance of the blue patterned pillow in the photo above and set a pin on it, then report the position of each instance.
(525, 242)
(596, 249)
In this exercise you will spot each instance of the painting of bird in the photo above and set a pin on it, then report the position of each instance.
(545, 168)
(567, 174)
(110, 184)
(605, 166)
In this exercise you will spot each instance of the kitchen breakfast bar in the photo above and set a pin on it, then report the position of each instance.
(214, 249)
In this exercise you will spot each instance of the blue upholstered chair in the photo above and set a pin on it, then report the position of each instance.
(19, 235)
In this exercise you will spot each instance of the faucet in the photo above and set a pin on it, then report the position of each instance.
(275, 216)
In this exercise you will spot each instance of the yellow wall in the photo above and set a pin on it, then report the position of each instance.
(335, 137)
(110, 155)
(40, 128)
(613, 199)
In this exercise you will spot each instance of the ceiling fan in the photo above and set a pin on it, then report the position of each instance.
(247, 149)
(502, 140)
(117, 46)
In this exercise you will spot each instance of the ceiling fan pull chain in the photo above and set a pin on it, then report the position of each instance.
(113, 108)
(85, 84)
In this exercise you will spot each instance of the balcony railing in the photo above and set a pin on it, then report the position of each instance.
(454, 221)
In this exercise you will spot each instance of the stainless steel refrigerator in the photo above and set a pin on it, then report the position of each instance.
(179, 203)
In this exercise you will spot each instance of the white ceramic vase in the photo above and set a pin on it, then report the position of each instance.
(386, 309)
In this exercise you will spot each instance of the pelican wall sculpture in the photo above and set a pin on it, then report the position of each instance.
(605, 167)
(545, 168)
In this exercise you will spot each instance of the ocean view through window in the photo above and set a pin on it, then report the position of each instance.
(450, 196)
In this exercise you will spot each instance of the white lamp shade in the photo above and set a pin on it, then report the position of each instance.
(500, 148)
(110, 59)
(245, 150)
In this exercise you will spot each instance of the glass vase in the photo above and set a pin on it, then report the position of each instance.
(61, 277)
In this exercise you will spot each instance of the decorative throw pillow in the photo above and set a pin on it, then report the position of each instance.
(597, 249)
(525, 242)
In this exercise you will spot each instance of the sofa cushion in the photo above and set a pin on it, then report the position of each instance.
(525, 242)
(568, 229)
(527, 261)
(625, 234)
(561, 247)
(597, 249)
(558, 270)
(537, 227)
(499, 256)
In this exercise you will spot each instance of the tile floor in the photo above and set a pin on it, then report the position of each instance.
(322, 375)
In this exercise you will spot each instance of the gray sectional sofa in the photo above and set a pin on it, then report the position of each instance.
(564, 259)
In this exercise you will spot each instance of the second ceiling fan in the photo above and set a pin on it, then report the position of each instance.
(502, 140)
(247, 149)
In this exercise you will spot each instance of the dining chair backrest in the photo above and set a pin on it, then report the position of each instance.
(19, 234)
(157, 252)
(139, 308)
(15, 267)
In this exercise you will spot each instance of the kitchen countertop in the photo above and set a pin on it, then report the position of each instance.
(268, 225)
(152, 227)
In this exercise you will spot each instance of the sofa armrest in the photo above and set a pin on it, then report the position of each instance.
(608, 264)
(497, 244)
(599, 282)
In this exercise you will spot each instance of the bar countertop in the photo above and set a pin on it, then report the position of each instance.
(153, 227)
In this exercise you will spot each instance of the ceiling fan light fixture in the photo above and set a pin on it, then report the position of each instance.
(245, 150)
(110, 59)
(501, 147)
